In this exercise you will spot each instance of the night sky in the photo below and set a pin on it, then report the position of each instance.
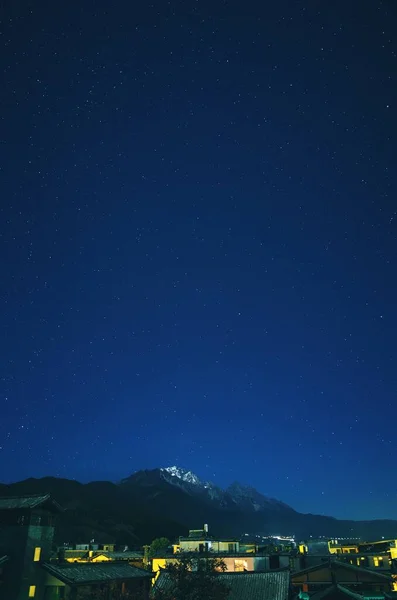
(198, 245)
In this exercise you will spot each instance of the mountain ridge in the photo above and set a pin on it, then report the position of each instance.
(168, 501)
(241, 495)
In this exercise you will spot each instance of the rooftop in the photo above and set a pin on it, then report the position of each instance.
(340, 591)
(352, 555)
(215, 554)
(207, 537)
(3, 559)
(28, 502)
(91, 573)
(196, 536)
(336, 543)
(334, 564)
(254, 585)
(127, 555)
(72, 554)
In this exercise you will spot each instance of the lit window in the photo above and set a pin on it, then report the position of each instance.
(32, 591)
(240, 565)
(37, 552)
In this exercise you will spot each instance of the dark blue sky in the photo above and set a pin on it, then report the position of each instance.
(198, 240)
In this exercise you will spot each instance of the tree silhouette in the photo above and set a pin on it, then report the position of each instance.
(193, 577)
(159, 545)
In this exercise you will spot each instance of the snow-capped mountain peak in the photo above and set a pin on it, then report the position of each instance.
(236, 496)
(182, 474)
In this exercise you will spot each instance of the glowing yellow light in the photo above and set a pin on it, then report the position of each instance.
(37, 552)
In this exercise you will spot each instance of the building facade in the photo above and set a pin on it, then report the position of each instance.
(26, 536)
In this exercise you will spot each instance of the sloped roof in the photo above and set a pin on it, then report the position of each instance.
(3, 559)
(255, 585)
(91, 573)
(197, 537)
(78, 554)
(341, 591)
(334, 564)
(127, 555)
(111, 555)
(73, 553)
(27, 502)
(209, 538)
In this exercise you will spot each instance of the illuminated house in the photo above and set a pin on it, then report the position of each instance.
(378, 555)
(199, 540)
(90, 546)
(98, 555)
(379, 547)
(91, 556)
(388, 547)
(369, 560)
(234, 563)
(26, 536)
(238, 562)
(238, 557)
(336, 547)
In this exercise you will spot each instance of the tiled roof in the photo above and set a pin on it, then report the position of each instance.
(78, 554)
(3, 559)
(272, 585)
(91, 573)
(197, 538)
(28, 502)
(199, 535)
(333, 564)
(130, 555)
(74, 553)
(339, 563)
(211, 554)
(340, 591)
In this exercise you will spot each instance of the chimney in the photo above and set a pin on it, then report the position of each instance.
(205, 528)
(146, 555)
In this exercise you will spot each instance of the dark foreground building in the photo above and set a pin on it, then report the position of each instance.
(27, 525)
(26, 538)
(107, 581)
